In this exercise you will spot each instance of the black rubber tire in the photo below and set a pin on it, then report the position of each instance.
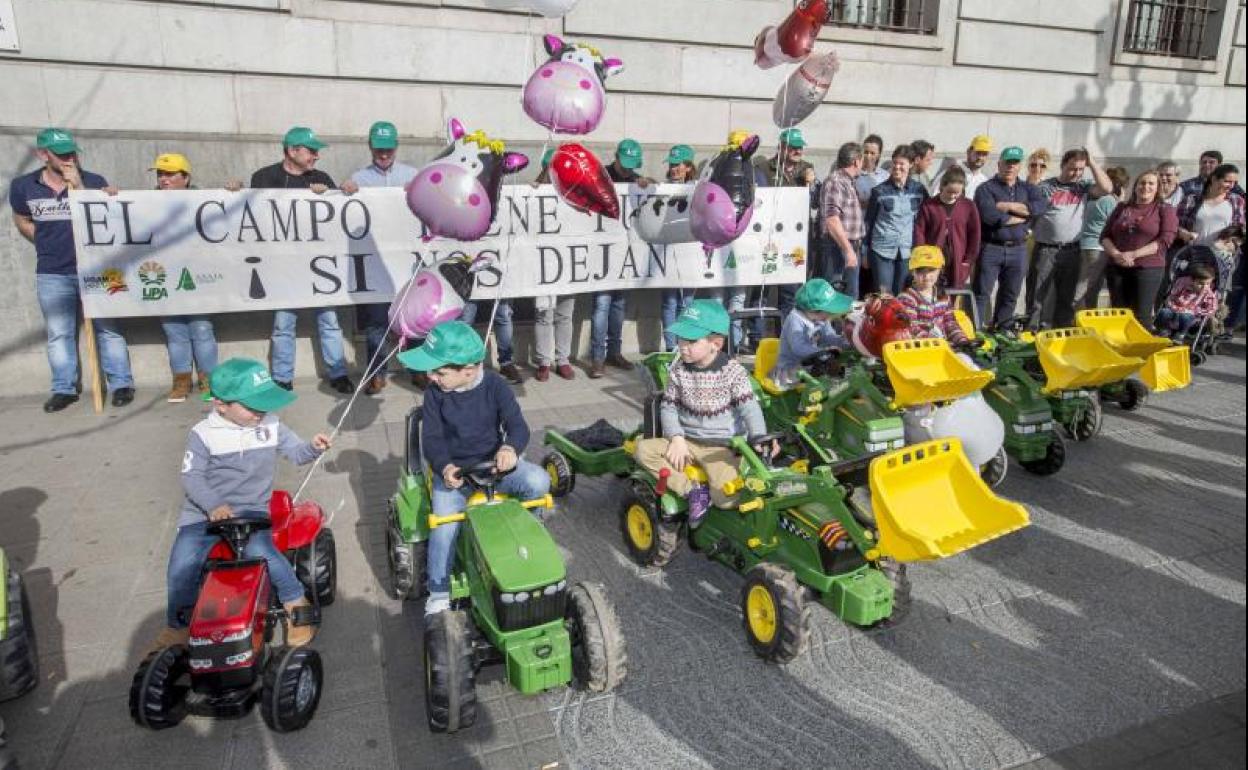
(1213, 348)
(599, 655)
(316, 566)
(158, 690)
(1053, 460)
(1133, 396)
(562, 477)
(407, 563)
(19, 652)
(1198, 358)
(293, 681)
(1087, 424)
(896, 574)
(666, 534)
(792, 612)
(995, 470)
(450, 673)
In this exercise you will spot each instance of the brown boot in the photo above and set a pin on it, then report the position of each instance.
(298, 636)
(168, 637)
(597, 370)
(203, 383)
(376, 385)
(181, 388)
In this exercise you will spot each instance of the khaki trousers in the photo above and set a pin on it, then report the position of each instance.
(719, 463)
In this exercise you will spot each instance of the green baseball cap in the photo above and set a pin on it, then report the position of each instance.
(250, 384)
(450, 342)
(1012, 154)
(792, 137)
(56, 140)
(702, 317)
(301, 136)
(628, 153)
(818, 295)
(680, 153)
(382, 136)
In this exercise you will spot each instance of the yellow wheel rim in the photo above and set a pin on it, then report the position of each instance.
(760, 614)
(639, 530)
(553, 472)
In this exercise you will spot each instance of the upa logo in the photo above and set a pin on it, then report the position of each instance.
(152, 276)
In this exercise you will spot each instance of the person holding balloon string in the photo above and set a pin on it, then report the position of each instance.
(808, 332)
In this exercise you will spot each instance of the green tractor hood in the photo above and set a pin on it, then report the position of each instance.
(515, 550)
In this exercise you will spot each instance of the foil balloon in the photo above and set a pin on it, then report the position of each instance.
(794, 39)
(803, 92)
(552, 9)
(968, 419)
(566, 94)
(435, 294)
(881, 319)
(663, 219)
(456, 194)
(723, 200)
(581, 180)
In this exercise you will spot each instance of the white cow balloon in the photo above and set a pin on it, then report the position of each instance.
(803, 92)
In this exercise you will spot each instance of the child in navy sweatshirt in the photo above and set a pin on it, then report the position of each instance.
(469, 417)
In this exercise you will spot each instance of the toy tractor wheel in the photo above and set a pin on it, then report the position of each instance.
(651, 540)
(896, 574)
(1198, 358)
(775, 613)
(994, 471)
(1133, 396)
(599, 658)
(316, 566)
(158, 690)
(1053, 460)
(1087, 423)
(407, 566)
(450, 676)
(562, 477)
(19, 658)
(292, 688)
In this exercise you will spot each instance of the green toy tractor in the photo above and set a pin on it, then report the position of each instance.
(511, 602)
(795, 534)
(19, 656)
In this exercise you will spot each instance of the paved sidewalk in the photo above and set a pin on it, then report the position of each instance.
(1109, 633)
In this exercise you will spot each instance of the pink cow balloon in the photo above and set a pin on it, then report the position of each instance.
(456, 194)
(566, 93)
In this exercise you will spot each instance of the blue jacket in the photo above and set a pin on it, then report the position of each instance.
(466, 427)
(890, 216)
(993, 221)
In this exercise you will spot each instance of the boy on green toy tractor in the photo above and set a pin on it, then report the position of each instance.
(788, 532)
(498, 590)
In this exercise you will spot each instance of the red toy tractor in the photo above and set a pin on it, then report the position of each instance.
(231, 660)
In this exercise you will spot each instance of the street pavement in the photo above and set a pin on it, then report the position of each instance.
(1110, 633)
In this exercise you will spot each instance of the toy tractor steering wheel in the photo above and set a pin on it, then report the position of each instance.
(762, 446)
(825, 363)
(485, 476)
(237, 531)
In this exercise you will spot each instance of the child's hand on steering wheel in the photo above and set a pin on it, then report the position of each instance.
(505, 458)
(221, 513)
(451, 477)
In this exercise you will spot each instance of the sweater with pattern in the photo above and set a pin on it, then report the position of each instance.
(706, 404)
(930, 318)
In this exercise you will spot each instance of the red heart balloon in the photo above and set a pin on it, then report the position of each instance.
(582, 181)
(797, 33)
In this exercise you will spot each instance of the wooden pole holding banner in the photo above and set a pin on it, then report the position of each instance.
(93, 362)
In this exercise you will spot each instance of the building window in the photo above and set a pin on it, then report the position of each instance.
(914, 16)
(1187, 29)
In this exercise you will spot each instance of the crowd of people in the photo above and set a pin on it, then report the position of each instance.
(1055, 238)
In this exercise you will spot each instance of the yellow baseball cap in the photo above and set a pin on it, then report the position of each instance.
(171, 163)
(927, 256)
(737, 137)
(981, 143)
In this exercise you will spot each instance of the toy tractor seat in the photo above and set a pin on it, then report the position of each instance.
(765, 356)
(1166, 366)
(930, 503)
(926, 371)
(1079, 358)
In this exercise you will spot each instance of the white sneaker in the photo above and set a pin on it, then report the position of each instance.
(437, 602)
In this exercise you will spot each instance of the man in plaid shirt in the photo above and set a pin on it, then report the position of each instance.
(841, 212)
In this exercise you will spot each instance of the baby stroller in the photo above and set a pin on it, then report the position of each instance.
(1205, 338)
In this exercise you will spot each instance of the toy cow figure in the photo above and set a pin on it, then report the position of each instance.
(723, 200)
(456, 194)
(566, 93)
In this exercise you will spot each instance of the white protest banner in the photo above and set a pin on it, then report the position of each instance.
(8, 27)
(156, 253)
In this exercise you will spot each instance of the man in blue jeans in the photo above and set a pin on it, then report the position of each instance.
(301, 149)
(606, 324)
(40, 202)
(1007, 207)
(502, 334)
(470, 417)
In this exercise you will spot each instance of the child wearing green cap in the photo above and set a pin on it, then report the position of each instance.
(470, 417)
(227, 472)
(808, 329)
(707, 395)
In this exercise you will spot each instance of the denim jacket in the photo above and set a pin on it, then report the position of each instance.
(890, 217)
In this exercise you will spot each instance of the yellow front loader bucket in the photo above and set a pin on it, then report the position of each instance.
(926, 371)
(930, 502)
(1169, 369)
(1079, 358)
(1120, 329)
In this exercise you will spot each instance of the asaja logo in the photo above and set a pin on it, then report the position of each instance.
(152, 276)
(259, 378)
(185, 281)
(111, 281)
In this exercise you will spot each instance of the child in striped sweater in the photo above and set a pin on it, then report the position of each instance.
(928, 314)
